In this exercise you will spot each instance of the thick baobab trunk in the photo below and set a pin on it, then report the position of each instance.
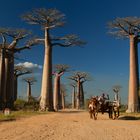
(78, 95)
(57, 99)
(81, 95)
(55, 93)
(63, 99)
(15, 87)
(29, 92)
(133, 105)
(10, 80)
(46, 101)
(59, 94)
(73, 97)
(2, 78)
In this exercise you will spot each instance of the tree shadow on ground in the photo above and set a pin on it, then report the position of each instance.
(71, 111)
(129, 118)
(8, 120)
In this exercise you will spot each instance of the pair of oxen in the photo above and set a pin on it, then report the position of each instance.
(96, 105)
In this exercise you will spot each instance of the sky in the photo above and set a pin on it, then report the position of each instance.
(104, 57)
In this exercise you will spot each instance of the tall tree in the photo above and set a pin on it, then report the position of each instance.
(80, 78)
(11, 40)
(63, 94)
(30, 81)
(116, 89)
(19, 71)
(59, 70)
(129, 27)
(49, 19)
(73, 85)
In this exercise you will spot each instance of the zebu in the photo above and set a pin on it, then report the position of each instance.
(93, 107)
(116, 107)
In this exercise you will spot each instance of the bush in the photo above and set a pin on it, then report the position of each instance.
(24, 105)
(19, 104)
(32, 104)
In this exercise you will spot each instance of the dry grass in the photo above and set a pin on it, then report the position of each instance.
(19, 114)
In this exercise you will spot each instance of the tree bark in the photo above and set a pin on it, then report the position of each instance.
(81, 95)
(73, 97)
(133, 105)
(78, 95)
(15, 87)
(10, 80)
(29, 92)
(63, 100)
(46, 101)
(2, 78)
(55, 94)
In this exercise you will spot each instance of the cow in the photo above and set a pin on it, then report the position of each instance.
(116, 107)
(93, 108)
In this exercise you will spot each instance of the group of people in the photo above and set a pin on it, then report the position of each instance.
(102, 98)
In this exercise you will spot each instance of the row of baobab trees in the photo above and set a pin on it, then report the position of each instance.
(49, 19)
(11, 41)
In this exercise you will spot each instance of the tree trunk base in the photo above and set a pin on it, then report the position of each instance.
(133, 108)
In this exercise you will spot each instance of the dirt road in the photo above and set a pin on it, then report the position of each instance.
(69, 125)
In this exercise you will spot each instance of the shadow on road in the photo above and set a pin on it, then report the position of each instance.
(71, 111)
(129, 118)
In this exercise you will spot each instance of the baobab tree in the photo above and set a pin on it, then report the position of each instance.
(49, 19)
(63, 94)
(11, 39)
(80, 78)
(129, 27)
(19, 71)
(116, 89)
(59, 70)
(73, 85)
(30, 81)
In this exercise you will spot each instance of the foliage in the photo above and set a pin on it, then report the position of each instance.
(30, 80)
(24, 105)
(32, 104)
(123, 27)
(19, 104)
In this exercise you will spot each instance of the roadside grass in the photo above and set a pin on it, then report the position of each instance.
(14, 115)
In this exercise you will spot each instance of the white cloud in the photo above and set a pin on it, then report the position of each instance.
(29, 65)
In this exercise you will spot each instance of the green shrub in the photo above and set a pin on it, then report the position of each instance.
(32, 104)
(19, 104)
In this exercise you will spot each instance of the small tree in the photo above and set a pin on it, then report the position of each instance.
(49, 19)
(19, 71)
(63, 94)
(30, 81)
(116, 89)
(59, 70)
(73, 85)
(80, 78)
(129, 27)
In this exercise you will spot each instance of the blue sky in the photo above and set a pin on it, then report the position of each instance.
(104, 57)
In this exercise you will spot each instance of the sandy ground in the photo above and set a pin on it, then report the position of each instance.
(70, 125)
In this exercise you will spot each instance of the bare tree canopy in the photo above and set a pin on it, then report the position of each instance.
(20, 70)
(82, 76)
(67, 41)
(16, 35)
(61, 68)
(116, 88)
(30, 80)
(49, 18)
(123, 27)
